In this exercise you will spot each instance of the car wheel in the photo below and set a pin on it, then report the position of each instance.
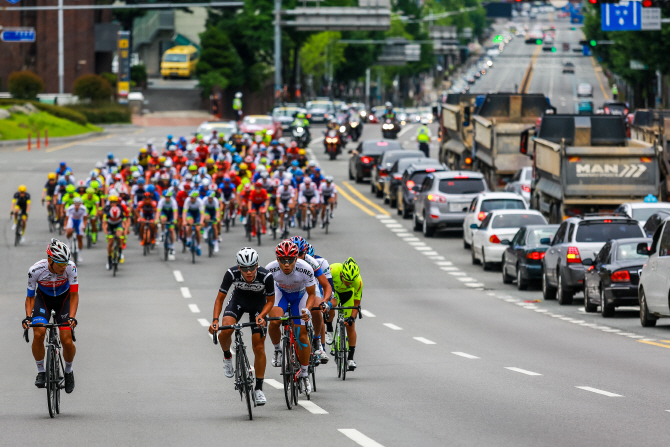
(475, 261)
(386, 199)
(405, 213)
(380, 193)
(548, 292)
(521, 282)
(606, 310)
(351, 177)
(505, 277)
(466, 245)
(487, 265)
(373, 189)
(564, 296)
(393, 203)
(359, 178)
(428, 230)
(417, 225)
(588, 306)
(646, 319)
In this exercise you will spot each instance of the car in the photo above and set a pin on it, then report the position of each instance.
(522, 259)
(655, 221)
(642, 211)
(520, 183)
(410, 184)
(584, 108)
(444, 199)
(615, 108)
(654, 289)
(366, 155)
(484, 204)
(584, 89)
(227, 128)
(498, 225)
(380, 171)
(319, 111)
(562, 269)
(254, 123)
(396, 172)
(286, 115)
(612, 277)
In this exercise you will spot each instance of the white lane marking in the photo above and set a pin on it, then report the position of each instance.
(407, 127)
(367, 313)
(203, 322)
(424, 340)
(474, 284)
(401, 233)
(178, 276)
(467, 356)
(467, 279)
(417, 243)
(429, 253)
(588, 325)
(567, 319)
(627, 334)
(597, 391)
(511, 300)
(194, 308)
(185, 292)
(437, 258)
(611, 330)
(557, 316)
(359, 438)
(274, 384)
(444, 263)
(541, 310)
(311, 407)
(423, 248)
(449, 269)
(458, 273)
(393, 326)
(410, 239)
(381, 216)
(394, 225)
(577, 321)
(522, 371)
(636, 336)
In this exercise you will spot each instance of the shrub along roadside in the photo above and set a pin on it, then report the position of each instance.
(18, 126)
(107, 114)
(61, 112)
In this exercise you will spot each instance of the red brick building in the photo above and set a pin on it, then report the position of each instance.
(89, 42)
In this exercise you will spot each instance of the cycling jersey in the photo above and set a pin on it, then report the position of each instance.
(345, 293)
(285, 193)
(228, 192)
(51, 284)
(91, 203)
(291, 288)
(50, 188)
(262, 285)
(167, 207)
(147, 209)
(76, 214)
(115, 213)
(211, 207)
(258, 197)
(21, 202)
(327, 191)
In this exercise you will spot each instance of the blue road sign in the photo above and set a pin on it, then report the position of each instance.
(13, 2)
(625, 16)
(18, 35)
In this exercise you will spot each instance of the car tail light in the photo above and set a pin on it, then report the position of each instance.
(494, 239)
(573, 256)
(383, 173)
(397, 176)
(481, 215)
(366, 160)
(625, 111)
(437, 198)
(607, 110)
(430, 169)
(410, 184)
(461, 177)
(525, 188)
(607, 221)
(621, 276)
(535, 255)
(434, 216)
(468, 161)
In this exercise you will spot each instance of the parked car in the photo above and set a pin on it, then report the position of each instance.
(642, 211)
(444, 199)
(654, 286)
(410, 184)
(484, 204)
(520, 183)
(569, 67)
(612, 277)
(396, 172)
(381, 170)
(584, 89)
(253, 123)
(365, 156)
(227, 128)
(655, 221)
(563, 272)
(498, 225)
(523, 257)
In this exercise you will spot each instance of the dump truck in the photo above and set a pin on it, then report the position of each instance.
(649, 125)
(586, 164)
(498, 126)
(456, 131)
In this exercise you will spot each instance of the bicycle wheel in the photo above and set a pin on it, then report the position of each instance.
(247, 380)
(258, 229)
(210, 244)
(294, 378)
(51, 380)
(59, 368)
(166, 244)
(89, 239)
(338, 357)
(343, 350)
(287, 371)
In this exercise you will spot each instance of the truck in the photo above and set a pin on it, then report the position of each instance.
(587, 165)
(456, 131)
(498, 125)
(649, 125)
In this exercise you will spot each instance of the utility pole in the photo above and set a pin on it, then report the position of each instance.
(367, 88)
(277, 49)
(61, 62)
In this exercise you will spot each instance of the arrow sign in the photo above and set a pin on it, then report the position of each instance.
(18, 35)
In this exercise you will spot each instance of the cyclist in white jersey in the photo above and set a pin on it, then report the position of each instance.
(77, 215)
(308, 193)
(193, 214)
(328, 194)
(285, 193)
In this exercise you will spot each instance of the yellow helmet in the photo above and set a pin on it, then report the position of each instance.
(125, 161)
(113, 199)
(161, 159)
(143, 150)
(22, 188)
(302, 152)
(210, 161)
(52, 176)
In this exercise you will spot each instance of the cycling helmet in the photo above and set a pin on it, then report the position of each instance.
(113, 198)
(110, 156)
(58, 251)
(273, 143)
(63, 164)
(205, 182)
(62, 182)
(388, 105)
(329, 179)
(302, 152)
(22, 188)
(99, 165)
(52, 175)
(243, 167)
(312, 163)
(239, 95)
(168, 163)
(165, 176)
(300, 242)
(187, 186)
(258, 184)
(310, 249)
(90, 190)
(295, 163)
(286, 182)
(69, 189)
(151, 188)
(211, 194)
(169, 137)
(194, 193)
(143, 150)
(248, 159)
(286, 249)
(125, 161)
(350, 270)
(237, 159)
(308, 181)
(264, 174)
(140, 181)
(193, 168)
(247, 257)
(261, 168)
(95, 184)
(301, 115)
(226, 180)
(147, 195)
(298, 173)
(281, 140)
(77, 200)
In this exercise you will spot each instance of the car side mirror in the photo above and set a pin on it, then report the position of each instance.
(474, 226)
(643, 249)
(505, 242)
(545, 241)
(587, 261)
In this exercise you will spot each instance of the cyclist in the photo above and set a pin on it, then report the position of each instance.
(254, 294)
(258, 201)
(63, 168)
(49, 192)
(308, 193)
(167, 212)
(325, 268)
(20, 208)
(328, 194)
(91, 202)
(53, 285)
(76, 215)
(294, 284)
(147, 215)
(193, 214)
(213, 212)
(114, 215)
(227, 189)
(285, 194)
(348, 286)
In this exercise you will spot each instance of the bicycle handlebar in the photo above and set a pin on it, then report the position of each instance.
(235, 327)
(47, 325)
(360, 314)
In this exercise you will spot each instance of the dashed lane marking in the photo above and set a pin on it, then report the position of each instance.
(467, 356)
(522, 371)
(437, 258)
(423, 248)
(474, 284)
(424, 340)
(417, 244)
(393, 326)
(359, 438)
(449, 269)
(311, 407)
(444, 263)
(467, 279)
(194, 308)
(274, 384)
(429, 253)
(185, 292)
(457, 273)
(367, 313)
(597, 391)
(178, 276)
(411, 239)
(203, 322)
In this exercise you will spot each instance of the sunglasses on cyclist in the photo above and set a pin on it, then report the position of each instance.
(248, 269)
(287, 261)
(61, 264)
(348, 283)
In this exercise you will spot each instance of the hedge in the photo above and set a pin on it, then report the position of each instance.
(60, 112)
(113, 113)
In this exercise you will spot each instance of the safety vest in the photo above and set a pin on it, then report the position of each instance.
(423, 136)
(237, 104)
(615, 90)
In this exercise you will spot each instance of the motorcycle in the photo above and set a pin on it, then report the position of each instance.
(333, 143)
(356, 129)
(390, 129)
(299, 135)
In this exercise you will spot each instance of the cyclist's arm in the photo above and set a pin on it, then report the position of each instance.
(218, 308)
(13, 206)
(71, 271)
(325, 284)
(311, 299)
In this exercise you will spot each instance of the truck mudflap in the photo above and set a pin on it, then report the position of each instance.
(588, 177)
(455, 146)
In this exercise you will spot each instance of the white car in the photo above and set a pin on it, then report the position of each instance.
(227, 128)
(584, 89)
(654, 285)
(485, 203)
(641, 211)
(520, 183)
(499, 225)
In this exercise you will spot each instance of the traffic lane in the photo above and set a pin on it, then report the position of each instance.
(508, 69)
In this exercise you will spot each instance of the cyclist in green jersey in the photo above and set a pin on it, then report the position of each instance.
(91, 202)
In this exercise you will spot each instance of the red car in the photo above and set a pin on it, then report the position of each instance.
(253, 123)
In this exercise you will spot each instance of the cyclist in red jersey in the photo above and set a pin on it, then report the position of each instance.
(258, 204)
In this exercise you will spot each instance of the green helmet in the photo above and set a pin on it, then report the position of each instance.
(69, 189)
(193, 168)
(350, 270)
(301, 115)
(90, 190)
(133, 169)
(95, 184)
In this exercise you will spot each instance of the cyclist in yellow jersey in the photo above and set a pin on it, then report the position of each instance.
(348, 292)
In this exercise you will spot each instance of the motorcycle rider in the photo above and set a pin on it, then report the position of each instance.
(423, 137)
(301, 121)
(332, 125)
(390, 113)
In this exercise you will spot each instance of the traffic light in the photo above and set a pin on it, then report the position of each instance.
(593, 43)
(538, 41)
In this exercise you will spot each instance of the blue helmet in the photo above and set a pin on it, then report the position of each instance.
(295, 163)
(211, 194)
(226, 180)
(182, 139)
(273, 143)
(169, 137)
(63, 164)
(310, 249)
(62, 182)
(140, 181)
(298, 172)
(317, 169)
(110, 156)
(238, 159)
(151, 188)
(300, 242)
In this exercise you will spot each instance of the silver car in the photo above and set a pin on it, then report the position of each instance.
(520, 183)
(444, 199)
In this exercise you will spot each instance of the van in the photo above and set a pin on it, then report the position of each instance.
(179, 61)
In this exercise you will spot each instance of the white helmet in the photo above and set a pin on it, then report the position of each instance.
(77, 200)
(247, 257)
(168, 163)
(308, 180)
(99, 165)
(238, 94)
(329, 179)
(136, 174)
(281, 140)
(58, 251)
(311, 163)
(424, 121)
(286, 182)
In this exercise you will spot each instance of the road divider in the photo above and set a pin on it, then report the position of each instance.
(344, 194)
(365, 199)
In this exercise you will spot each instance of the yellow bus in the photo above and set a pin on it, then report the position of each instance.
(179, 62)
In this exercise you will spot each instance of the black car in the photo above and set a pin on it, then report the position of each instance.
(380, 171)
(523, 258)
(568, 67)
(410, 184)
(612, 278)
(395, 176)
(366, 155)
(655, 221)
(615, 108)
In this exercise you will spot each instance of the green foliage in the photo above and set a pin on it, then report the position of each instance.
(25, 84)
(219, 64)
(111, 78)
(18, 126)
(59, 111)
(107, 114)
(138, 73)
(321, 50)
(93, 87)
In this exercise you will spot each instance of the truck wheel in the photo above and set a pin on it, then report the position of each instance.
(548, 292)
(556, 215)
(564, 296)
(646, 319)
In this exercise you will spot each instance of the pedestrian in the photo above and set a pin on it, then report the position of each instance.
(615, 92)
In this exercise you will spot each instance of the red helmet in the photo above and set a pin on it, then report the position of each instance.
(259, 184)
(286, 249)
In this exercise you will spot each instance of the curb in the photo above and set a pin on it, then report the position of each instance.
(55, 140)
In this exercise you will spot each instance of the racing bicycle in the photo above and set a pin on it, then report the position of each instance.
(340, 347)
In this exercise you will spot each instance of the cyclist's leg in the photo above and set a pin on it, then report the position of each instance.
(278, 310)
(257, 342)
(40, 314)
(69, 350)
(351, 329)
(69, 228)
(304, 349)
(80, 234)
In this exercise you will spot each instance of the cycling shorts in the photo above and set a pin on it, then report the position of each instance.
(168, 214)
(239, 305)
(345, 299)
(195, 214)
(256, 206)
(283, 204)
(112, 227)
(298, 301)
(210, 213)
(325, 199)
(44, 304)
(77, 225)
(313, 200)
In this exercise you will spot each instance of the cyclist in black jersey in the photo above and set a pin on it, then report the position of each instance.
(254, 293)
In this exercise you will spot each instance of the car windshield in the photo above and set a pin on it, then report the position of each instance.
(461, 185)
(605, 231)
(320, 105)
(175, 58)
(418, 177)
(284, 112)
(628, 252)
(502, 204)
(257, 120)
(517, 220)
(642, 214)
(395, 156)
(535, 236)
(380, 147)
